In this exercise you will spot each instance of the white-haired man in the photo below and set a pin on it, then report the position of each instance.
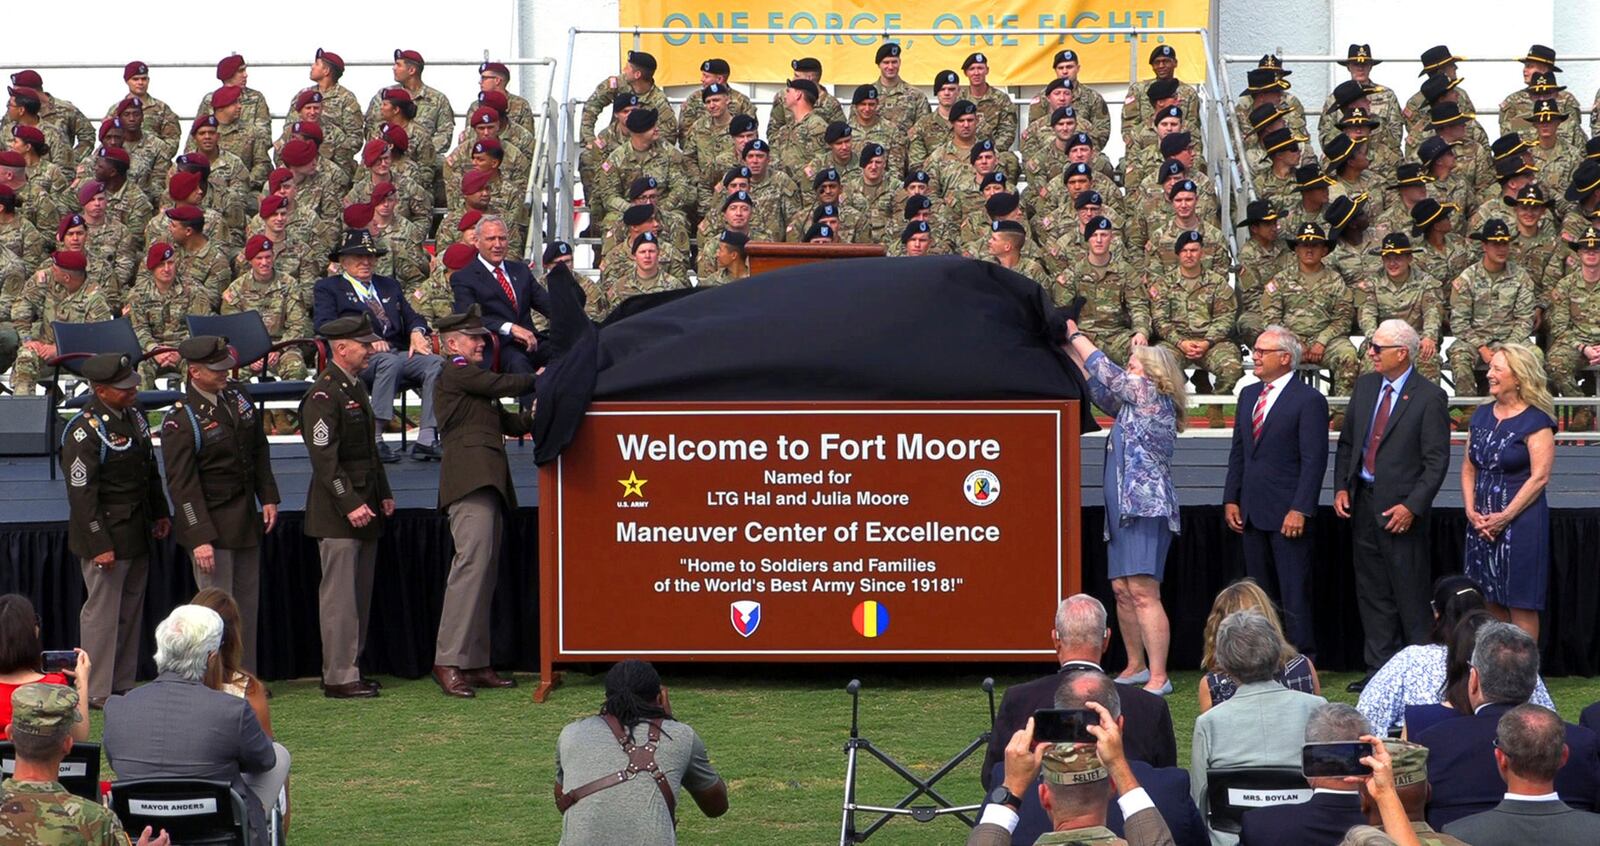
(176, 727)
(1080, 636)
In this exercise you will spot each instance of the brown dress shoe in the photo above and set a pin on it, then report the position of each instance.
(487, 677)
(349, 690)
(98, 703)
(452, 682)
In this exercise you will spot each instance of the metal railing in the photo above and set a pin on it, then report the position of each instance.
(1215, 134)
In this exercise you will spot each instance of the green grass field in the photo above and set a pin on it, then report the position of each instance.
(416, 767)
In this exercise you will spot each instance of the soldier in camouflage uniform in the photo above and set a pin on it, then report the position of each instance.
(1440, 254)
(777, 195)
(1311, 300)
(228, 190)
(276, 296)
(296, 260)
(1267, 84)
(1401, 292)
(487, 143)
(941, 241)
(1142, 163)
(68, 298)
(435, 118)
(157, 119)
(239, 137)
(1147, 97)
(810, 70)
(110, 247)
(1439, 65)
(900, 103)
(735, 217)
(233, 72)
(644, 275)
(126, 200)
(1352, 176)
(1491, 301)
(1276, 182)
(933, 129)
(1350, 235)
(1263, 255)
(804, 221)
(712, 72)
(806, 136)
(673, 228)
(1535, 240)
(32, 202)
(1182, 217)
(646, 155)
(729, 261)
(1116, 309)
(838, 156)
(47, 181)
(398, 120)
(1087, 102)
(339, 104)
(17, 232)
(1071, 244)
(1513, 174)
(1474, 162)
(37, 809)
(706, 136)
(315, 204)
(1358, 124)
(338, 148)
(157, 306)
(202, 265)
(867, 198)
(415, 203)
(640, 220)
(1006, 238)
(1554, 154)
(997, 117)
(75, 128)
(407, 256)
(434, 298)
(638, 76)
(1575, 326)
(496, 77)
(1380, 101)
(868, 126)
(1539, 75)
(1410, 186)
(1193, 309)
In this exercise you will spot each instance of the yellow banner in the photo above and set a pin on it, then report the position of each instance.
(1013, 59)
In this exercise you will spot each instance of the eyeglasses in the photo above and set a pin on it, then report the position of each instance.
(1380, 349)
(1265, 350)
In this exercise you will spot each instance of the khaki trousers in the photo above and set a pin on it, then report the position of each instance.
(344, 602)
(475, 523)
(110, 622)
(238, 571)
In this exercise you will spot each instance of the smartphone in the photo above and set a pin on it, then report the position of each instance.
(1335, 760)
(56, 660)
(1064, 725)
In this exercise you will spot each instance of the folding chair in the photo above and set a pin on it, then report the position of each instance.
(77, 342)
(195, 812)
(79, 772)
(1232, 791)
(247, 334)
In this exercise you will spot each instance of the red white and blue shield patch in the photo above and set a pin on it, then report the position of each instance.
(746, 616)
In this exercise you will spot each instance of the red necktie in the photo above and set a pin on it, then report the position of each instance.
(1260, 414)
(505, 285)
(1371, 454)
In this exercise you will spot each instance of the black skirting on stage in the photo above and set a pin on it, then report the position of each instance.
(415, 559)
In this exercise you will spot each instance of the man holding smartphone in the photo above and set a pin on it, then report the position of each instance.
(1079, 779)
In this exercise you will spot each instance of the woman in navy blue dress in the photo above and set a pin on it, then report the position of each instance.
(1503, 482)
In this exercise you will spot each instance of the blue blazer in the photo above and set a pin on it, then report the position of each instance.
(1283, 469)
(476, 284)
(335, 298)
(1324, 818)
(1465, 781)
(1168, 788)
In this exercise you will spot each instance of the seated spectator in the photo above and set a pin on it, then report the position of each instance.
(1168, 787)
(1453, 694)
(1080, 637)
(1295, 671)
(1263, 724)
(1335, 804)
(1075, 791)
(19, 663)
(404, 351)
(507, 293)
(1529, 749)
(42, 724)
(598, 810)
(1462, 765)
(176, 727)
(1408, 769)
(234, 680)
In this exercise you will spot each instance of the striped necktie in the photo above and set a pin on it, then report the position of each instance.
(1259, 416)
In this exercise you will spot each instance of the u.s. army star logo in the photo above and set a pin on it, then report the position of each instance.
(319, 433)
(79, 474)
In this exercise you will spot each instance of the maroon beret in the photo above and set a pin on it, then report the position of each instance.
(459, 255)
(129, 103)
(204, 121)
(410, 56)
(396, 135)
(225, 96)
(12, 158)
(396, 94)
(8, 198)
(372, 150)
(474, 181)
(158, 254)
(306, 98)
(24, 91)
(381, 191)
(357, 215)
(494, 68)
(133, 69)
(229, 66)
(277, 178)
(270, 205)
(487, 145)
(469, 220)
(484, 115)
(195, 159)
(298, 152)
(256, 245)
(88, 190)
(68, 221)
(186, 214)
(30, 135)
(107, 125)
(496, 100)
(182, 184)
(330, 57)
(27, 78)
(116, 154)
(309, 128)
(71, 260)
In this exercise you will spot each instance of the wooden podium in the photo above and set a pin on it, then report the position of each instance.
(771, 255)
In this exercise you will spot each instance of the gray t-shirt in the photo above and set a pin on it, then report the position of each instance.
(632, 812)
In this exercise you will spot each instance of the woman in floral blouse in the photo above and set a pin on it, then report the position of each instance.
(1148, 400)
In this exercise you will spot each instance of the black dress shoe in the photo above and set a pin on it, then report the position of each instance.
(387, 454)
(1359, 684)
(426, 452)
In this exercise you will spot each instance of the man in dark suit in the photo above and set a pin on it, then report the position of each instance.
(176, 727)
(1081, 637)
(475, 488)
(508, 295)
(1168, 787)
(403, 349)
(1394, 449)
(1333, 807)
(1280, 451)
(1590, 718)
(1530, 748)
(1462, 765)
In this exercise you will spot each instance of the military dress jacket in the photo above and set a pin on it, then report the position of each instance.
(473, 426)
(218, 467)
(114, 492)
(337, 424)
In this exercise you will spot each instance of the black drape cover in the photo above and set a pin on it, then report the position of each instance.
(414, 561)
